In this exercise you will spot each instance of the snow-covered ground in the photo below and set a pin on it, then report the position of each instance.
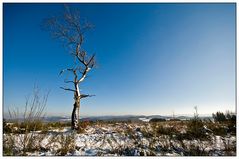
(119, 139)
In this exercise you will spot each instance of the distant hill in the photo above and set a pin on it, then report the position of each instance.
(120, 118)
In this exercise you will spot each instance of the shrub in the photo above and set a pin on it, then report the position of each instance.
(216, 128)
(219, 117)
(24, 129)
(146, 133)
(6, 127)
(161, 130)
(196, 150)
(227, 123)
(157, 120)
(58, 124)
(67, 143)
(231, 117)
(82, 126)
(195, 129)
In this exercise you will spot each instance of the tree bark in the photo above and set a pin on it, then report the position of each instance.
(74, 117)
(78, 117)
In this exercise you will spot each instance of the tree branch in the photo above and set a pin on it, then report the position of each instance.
(70, 29)
(68, 69)
(91, 62)
(68, 81)
(87, 69)
(85, 95)
(68, 89)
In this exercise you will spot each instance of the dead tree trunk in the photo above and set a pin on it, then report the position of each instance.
(75, 116)
(74, 120)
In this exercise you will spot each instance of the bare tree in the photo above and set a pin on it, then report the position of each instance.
(70, 28)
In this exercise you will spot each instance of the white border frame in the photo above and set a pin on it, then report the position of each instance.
(110, 1)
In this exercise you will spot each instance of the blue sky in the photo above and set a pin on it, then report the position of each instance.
(152, 58)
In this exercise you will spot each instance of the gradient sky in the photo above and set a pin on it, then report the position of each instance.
(152, 58)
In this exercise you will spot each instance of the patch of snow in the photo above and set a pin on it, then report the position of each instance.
(145, 119)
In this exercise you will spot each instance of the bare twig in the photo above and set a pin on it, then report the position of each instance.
(85, 95)
(68, 89)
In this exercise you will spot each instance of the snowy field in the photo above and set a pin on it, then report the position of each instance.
(121, 139)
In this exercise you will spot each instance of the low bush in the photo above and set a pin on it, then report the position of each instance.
(82, 126)
(227, 117)
(157, 120)
(195, 129)
(58, 124)
(67, 144)
(7, 128)
(161, 130)
(219, 117)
